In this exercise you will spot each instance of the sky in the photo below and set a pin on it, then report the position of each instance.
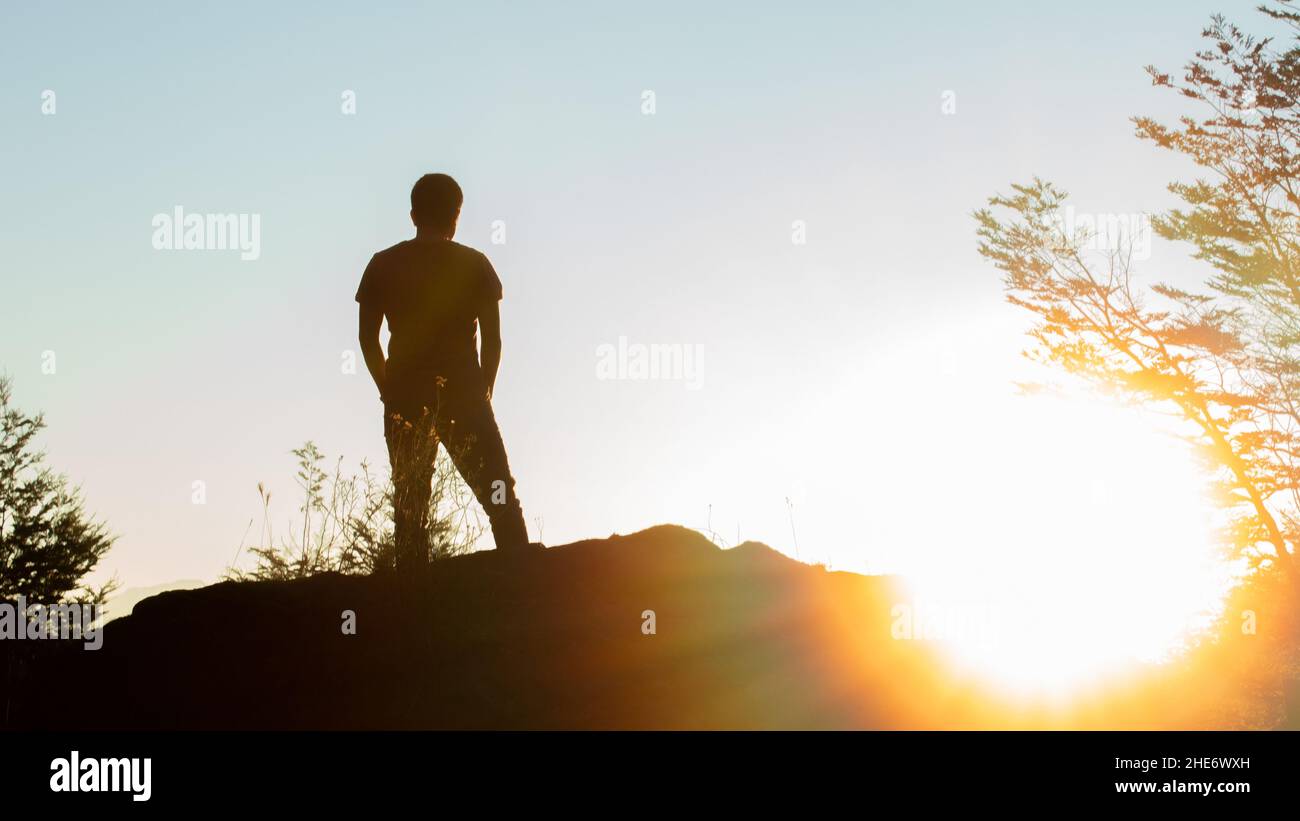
(854, 403)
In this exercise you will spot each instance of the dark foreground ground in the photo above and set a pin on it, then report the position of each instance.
(743, 638)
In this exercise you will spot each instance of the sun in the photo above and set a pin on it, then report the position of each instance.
(1098, 552)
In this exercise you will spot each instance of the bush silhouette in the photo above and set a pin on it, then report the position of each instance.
(347, 522)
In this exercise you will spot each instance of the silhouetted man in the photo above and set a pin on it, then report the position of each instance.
(434, 292)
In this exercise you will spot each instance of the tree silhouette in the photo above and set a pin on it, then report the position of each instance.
(1227, 358)
(47, 541)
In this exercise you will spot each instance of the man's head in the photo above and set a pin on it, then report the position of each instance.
(435, 204)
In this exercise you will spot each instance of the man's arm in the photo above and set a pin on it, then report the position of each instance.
(371, 317)
(489, 324)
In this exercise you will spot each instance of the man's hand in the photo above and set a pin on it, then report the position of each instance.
(370, 318)
(489, 325)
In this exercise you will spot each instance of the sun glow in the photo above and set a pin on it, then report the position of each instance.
(1060, 543)
(1105, 553)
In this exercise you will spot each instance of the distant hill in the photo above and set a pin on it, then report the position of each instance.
(743, 638)
(124, 602)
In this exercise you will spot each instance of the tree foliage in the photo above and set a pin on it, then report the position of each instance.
(48, 543)
(1227, 356)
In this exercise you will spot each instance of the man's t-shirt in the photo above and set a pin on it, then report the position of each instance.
(431, 293)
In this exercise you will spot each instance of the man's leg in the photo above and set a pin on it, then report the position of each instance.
(412, 449)
(470, 433)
